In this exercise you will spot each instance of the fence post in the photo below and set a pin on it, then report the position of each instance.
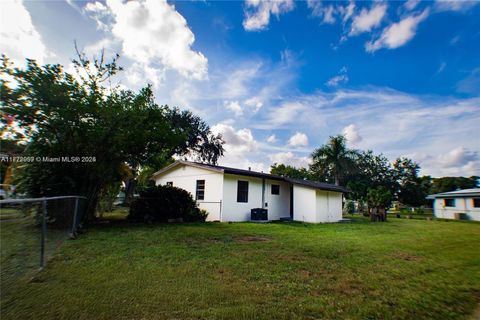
(44, 233)
(74, 224)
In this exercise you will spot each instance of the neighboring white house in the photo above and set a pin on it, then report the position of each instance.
(229, 194)
(460, 204)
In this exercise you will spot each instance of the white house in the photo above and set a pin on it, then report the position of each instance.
(229, 194)
(460, 204)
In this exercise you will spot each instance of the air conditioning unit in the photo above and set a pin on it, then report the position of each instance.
(259, 214)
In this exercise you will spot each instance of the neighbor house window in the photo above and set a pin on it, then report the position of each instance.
(242, 191)
(275, 189)
(200, 193)
(476, 202)
(170, 183)
(449, 202)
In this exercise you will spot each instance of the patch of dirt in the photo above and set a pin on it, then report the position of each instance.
(406, 256)
(247, 239)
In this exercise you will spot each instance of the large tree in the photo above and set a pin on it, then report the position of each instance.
(371, 171)
(103, 130)
(333, 160)
(409, 184)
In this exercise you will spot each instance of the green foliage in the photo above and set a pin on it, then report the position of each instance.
(446, 184)
(161, 203)
(370, 171)
(290, 171)
(332, 161)
(349, 207)
(102, 128)
(379, 197)
(409, 190)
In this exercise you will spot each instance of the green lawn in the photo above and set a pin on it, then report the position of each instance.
(402, 269)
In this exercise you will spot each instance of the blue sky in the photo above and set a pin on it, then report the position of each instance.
(277, 78)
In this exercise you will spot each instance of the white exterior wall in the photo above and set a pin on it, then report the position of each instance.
(304, 204)
(462, 205)
(329, 206)
(240, 211)
(278, 205)
(186, 177)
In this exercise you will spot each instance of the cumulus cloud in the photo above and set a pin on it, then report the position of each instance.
(298, 139)
(352, 135)
(258, 12)
(288, 158)
(368, 19)
(237, 142)
(19, 39)
(151, 32)
(397, 34)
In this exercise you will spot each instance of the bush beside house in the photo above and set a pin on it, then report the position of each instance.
(164, 204)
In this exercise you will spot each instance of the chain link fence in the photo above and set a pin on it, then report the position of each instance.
(31, 230)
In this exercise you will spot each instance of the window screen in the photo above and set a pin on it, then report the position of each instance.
(275, 189)
(242, 191)
(200, 191)
(449, 202)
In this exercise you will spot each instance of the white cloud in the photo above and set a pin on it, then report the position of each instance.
(286, 113)
(19, 39)
(335, 81)
(319, 10)
(100, 13)
(397, 34)
(368, 19)
(240, 148)
(288, 158)
(258, 12)
(342, 77)
(272, 139)
(237, 142)
(151, 33)
(455, 5)
(233, 106)
(411, 4)
(347, 11)
(298, 139)
(352, 135)
(255, 103)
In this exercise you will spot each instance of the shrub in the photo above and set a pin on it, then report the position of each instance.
(349, 207)
(419, 211)
(161, 203)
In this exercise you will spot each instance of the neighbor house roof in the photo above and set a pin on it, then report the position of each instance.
(250, 173)
(475, 192)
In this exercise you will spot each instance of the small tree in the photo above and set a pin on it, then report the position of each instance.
(379, 199)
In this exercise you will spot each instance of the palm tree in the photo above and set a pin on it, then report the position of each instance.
(333, 159)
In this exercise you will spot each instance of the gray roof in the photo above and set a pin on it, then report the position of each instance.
(474, 192)
(249, 173)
